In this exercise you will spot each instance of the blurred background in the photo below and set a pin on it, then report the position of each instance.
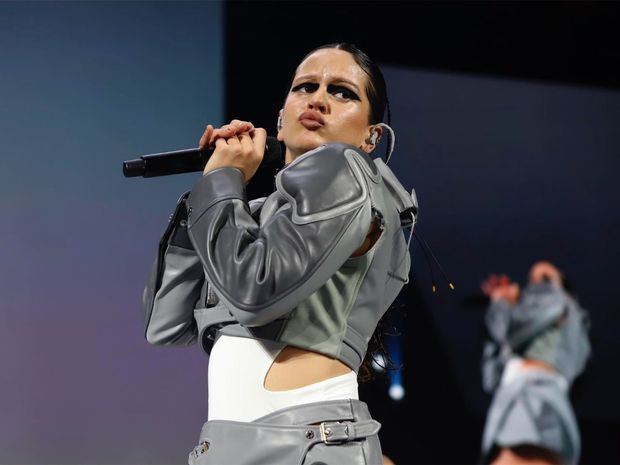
(507, 117)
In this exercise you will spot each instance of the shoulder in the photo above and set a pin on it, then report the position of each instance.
(330, 180)
(542, 300)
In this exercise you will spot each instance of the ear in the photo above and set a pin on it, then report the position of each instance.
(368, 146)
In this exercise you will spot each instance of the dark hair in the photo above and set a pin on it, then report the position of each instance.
(377, 354)
(376, 90)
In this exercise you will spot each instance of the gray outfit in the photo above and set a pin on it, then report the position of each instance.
(334, 432)
(547, 325)
(280, 268)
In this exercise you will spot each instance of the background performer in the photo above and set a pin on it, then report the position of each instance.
(538, 344)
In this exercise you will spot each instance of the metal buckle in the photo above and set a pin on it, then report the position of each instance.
(327, 432)
(201, 448)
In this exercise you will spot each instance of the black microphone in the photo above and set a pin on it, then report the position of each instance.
(187, 161)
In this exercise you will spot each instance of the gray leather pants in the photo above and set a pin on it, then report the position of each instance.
(338, 432)
(533, 409)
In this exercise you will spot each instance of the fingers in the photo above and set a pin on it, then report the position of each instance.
(243, 151)
(247, 146)
(237, 145)
(206, 136)
(253, 143)
(259, 137)
(234, 128)
(242, 126)
(221, 144)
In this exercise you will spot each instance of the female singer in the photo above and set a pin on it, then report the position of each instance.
(285, 292)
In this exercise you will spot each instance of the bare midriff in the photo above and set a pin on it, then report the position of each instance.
(294, 368)
(533, 364)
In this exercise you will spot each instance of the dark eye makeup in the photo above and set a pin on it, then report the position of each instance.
(346, 92)
(305, 87)
(334, 89)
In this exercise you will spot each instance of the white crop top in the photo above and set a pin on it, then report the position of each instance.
(237, 370)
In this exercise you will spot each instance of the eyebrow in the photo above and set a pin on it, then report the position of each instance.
(337, 80)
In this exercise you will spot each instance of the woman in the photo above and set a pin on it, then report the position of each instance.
(286, 291)
(538, 344)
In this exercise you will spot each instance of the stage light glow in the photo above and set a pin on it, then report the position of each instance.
(396, 392)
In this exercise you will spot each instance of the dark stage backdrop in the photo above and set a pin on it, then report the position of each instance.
(514, 156)
(507, 172)
(84, 86)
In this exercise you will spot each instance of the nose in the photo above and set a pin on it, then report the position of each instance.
(318, 101)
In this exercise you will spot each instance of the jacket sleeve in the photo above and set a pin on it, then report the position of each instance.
(540, 307)
(174, 286)
(496, 350)
(497, 320)
(264, 270)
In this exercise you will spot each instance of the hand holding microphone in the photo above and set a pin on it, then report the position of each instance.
(237, 144)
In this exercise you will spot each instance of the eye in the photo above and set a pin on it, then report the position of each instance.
(305, 88)
(342, 92)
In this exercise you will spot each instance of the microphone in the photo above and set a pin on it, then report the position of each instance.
(187, 161)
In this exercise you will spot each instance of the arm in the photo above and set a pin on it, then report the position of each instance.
(496, 350)
(503, 295)
(174, 286)
(264, 270)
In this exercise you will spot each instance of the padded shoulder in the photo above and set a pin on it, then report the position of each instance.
(327, 182)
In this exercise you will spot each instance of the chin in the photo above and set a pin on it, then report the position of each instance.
(303, 143)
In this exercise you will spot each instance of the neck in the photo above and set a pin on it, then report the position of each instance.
(290, 156)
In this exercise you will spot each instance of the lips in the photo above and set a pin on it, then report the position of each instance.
(311, 120)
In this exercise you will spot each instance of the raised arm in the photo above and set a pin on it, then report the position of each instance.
(321, 215)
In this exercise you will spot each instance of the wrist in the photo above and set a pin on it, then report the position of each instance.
(216, 185)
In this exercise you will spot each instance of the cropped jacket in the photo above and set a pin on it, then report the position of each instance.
(547, 324)
(280, 268)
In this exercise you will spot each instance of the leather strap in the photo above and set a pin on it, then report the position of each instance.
(345, 431)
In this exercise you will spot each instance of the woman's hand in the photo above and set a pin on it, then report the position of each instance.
(501, 287)
(235, 127)
(238, 145)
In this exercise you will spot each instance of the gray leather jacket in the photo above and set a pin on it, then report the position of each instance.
(280, 268)
(547, 324)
